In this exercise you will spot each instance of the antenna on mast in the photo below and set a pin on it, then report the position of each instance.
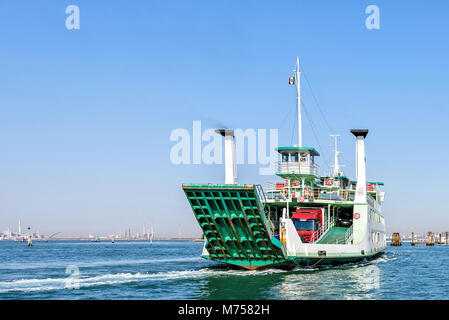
(337, 153)
(297, 73)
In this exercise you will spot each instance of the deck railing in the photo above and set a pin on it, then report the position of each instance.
(259, 190)
(349, 235)
(318, 233)
(289, 167)
(370, 200)
(261, 195)
(273, 193)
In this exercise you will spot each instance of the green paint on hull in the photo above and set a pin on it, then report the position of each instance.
(291, 262)
(254, 264)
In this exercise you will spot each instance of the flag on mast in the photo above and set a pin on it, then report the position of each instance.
(291, 80)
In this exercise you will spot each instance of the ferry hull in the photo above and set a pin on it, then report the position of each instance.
(307, 262)
(292, 262)
(238, 233)
(286, 264)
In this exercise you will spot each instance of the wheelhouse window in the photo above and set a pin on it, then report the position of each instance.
(284, 157)
(295, 157)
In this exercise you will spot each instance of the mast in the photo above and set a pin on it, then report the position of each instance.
(337, 153)
(298, 98)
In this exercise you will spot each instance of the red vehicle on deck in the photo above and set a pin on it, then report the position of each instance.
(307, 221)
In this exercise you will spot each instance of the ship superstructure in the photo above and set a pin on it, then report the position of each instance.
(304, 219)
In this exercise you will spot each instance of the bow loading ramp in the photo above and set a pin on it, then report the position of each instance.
(234, 224)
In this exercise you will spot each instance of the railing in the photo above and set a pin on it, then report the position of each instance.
(329, 196)
(347, 238)
(370, 200)
(262, 197)
(260, 193)
(349, 234)
(271, 192)
(270, 186)
(317, 234)
(276, 196)
(343, 240)
(297, 168)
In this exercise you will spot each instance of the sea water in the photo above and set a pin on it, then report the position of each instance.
(174, 270)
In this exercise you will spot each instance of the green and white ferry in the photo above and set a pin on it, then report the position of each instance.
(306, 219)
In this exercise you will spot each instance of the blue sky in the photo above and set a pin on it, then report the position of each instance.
(86, 115)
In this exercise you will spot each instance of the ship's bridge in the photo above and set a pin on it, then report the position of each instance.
(297, 163)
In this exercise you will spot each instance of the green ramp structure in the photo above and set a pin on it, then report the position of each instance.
(235, 227)
(335, 235)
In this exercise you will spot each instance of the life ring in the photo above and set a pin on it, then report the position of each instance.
(307, 192)
(329, 182)
(301, 199)
(356, 215)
